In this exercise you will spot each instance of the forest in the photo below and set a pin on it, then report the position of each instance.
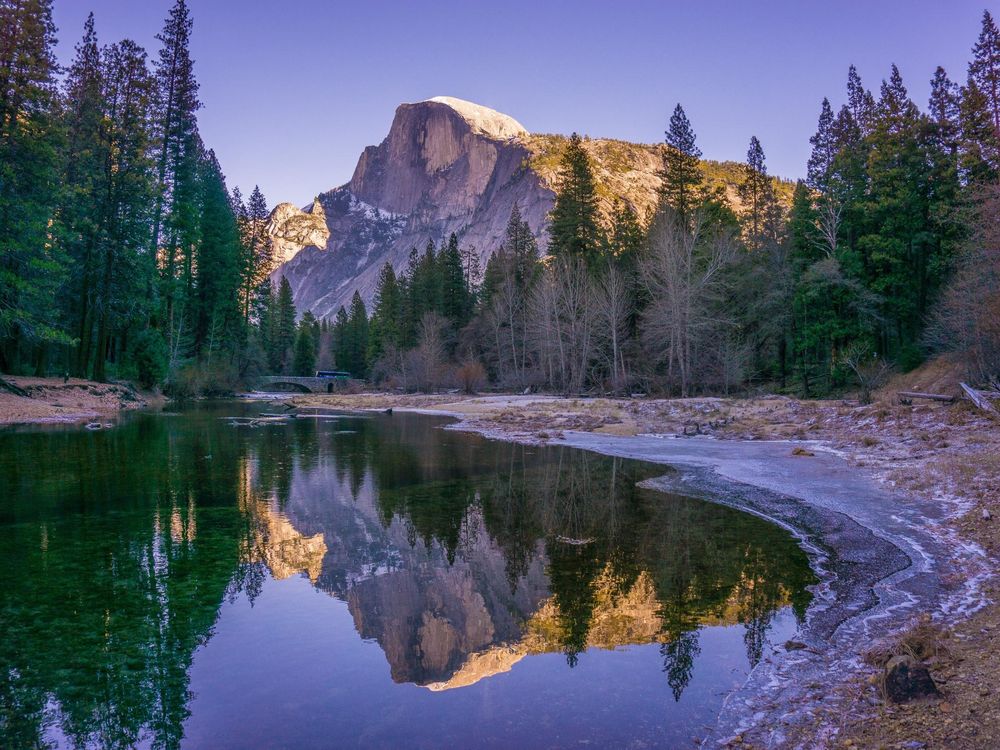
(124, 255)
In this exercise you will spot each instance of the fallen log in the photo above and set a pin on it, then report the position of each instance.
(978, 399)
(931, 396)
(15, 389)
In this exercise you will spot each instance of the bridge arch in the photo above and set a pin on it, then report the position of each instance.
(289, 385)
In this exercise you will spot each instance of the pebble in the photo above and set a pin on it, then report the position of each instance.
(986, 514)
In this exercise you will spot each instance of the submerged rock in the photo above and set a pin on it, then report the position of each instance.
(906, 679)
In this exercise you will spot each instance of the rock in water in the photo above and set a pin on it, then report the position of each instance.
(906, 679)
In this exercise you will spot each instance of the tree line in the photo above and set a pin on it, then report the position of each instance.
(878, 260)
(122, 252)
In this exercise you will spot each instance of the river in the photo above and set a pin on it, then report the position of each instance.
(368, 581)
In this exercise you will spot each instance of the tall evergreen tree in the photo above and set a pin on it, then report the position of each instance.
(126, 191)
(304, 357)
(824, 149)
(178, 154)
(80, 212)
(984, 68)
(860, 102)
(357, 337)
(214, 303)
(257, 259)
(283, 326)
(979, 148)
(456, 302)
(574, 231)
(384, 328)
(30, 136)
(681, 176)
(757, 193)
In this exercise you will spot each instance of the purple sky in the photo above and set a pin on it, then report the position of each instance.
(293, 91)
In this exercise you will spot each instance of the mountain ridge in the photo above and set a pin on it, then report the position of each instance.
(448, 165)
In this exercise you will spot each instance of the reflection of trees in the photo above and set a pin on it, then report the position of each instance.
(112, 571)
(108, 590)
(709, 563)
(678, 656)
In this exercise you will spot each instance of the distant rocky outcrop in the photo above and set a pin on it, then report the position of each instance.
(446, 166)
(292, 229)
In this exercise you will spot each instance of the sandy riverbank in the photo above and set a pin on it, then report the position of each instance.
(52, 400)
(919, 479)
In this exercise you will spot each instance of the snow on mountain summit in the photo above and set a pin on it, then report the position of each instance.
(482, 119)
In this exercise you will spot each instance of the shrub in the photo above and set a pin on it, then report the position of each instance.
(471, 376)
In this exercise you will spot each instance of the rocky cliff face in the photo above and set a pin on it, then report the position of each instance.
(446, 166)
(291, 229)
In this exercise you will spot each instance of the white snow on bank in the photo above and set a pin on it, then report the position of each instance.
(483, 119)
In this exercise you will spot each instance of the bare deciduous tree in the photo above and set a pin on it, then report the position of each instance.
(614, 305)
(828, 210)
(427, 360)
(684, 273)
(871, 371)
(562, 323)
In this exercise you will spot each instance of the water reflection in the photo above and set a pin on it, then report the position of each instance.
(459, 557)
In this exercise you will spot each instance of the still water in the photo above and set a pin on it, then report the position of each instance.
(367, 581)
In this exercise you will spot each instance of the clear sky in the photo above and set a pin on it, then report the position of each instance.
(293, 91)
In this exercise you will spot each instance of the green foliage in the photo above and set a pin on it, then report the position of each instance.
(31, 266)
(150, 356)
(283, 328)
(681, 176)
(574, 231)
(304, 359)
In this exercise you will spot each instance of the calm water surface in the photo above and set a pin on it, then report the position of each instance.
(373, 582)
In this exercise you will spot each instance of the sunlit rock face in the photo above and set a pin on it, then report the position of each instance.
(449, 165)
(292, 229)
(445, 166)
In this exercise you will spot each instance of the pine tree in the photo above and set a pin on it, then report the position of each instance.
(383, 331)
(984, 69)
(681, 176)
(942, 148)
(82, 203)
(30, 136)
(341, 340)
(178, 155)
(257, 255)
(757, 194)
(860, 101)
(125, 193)
(824, 149)
(214, 303)
(943, 109)
(357, 337)
(574, 231)
(304, 358)
(456, 303)
(627, 236)
(284, 326)
(979, 149)
(897, 241)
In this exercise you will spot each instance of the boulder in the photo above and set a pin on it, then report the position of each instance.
(907, 679)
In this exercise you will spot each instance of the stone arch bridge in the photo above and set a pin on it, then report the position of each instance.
(300, 384)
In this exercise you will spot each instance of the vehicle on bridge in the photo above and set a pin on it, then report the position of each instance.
(334, 374)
